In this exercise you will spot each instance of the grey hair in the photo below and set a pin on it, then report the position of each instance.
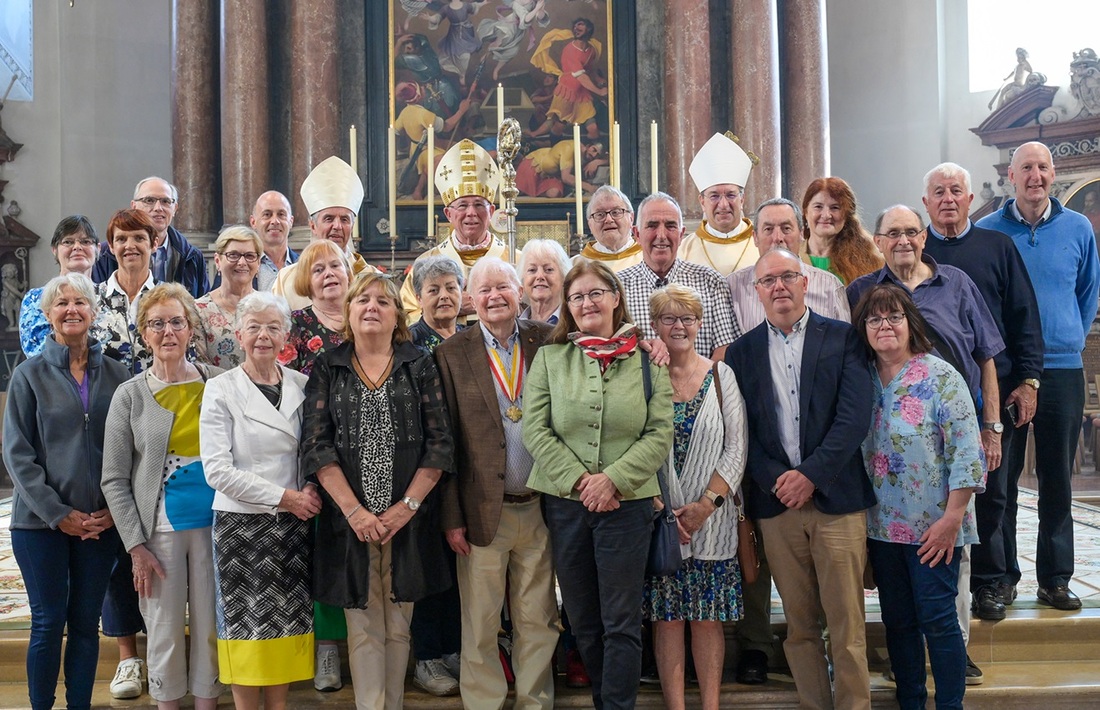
(492, 265)
(434, 267)
(77, 282)
(882, 215)
(171, 187)
(259, 301)
(662, 197)
(780, 201)
(948, 170)
(611, 191)
(238, 233)
(544, 247)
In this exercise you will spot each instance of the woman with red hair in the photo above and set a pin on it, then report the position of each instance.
(835, 240)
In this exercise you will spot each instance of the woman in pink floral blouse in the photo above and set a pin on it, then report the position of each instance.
(237, 253)
(323, 273)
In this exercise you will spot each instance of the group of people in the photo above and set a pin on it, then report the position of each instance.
(307, 452)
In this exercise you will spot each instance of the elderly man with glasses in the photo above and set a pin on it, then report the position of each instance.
(611, 219)
(174, 258)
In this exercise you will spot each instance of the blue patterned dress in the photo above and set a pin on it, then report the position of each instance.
(701, 590)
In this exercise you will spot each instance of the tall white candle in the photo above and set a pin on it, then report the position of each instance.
(500, 105)
(616, 164)
(431, 174)
(578, 173)
(393, 181)
(352, 145)
(653, 156)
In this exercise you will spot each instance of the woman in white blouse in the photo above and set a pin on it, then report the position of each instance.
(706, 465)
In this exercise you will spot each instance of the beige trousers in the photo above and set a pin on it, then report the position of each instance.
(378, 639)
(817, 563)
(520, 555)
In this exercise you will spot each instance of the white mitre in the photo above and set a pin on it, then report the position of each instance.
(333, 183)
(720, 162)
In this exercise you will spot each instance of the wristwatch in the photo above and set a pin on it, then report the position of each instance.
(1032, 383)
(995, 427)
(413, 503)
(714, 498)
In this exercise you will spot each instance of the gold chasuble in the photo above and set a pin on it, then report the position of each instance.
(723, 254)
(618, 261)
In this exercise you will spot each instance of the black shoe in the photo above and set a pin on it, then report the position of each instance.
(1059, 597)
(752, 668)
(986, 605)
(1006, 593)
(973, 673)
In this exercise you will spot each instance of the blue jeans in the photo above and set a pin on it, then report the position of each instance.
(1057, 422)
(65, 578)
(121, 615)
(600, 562)
(918, 607)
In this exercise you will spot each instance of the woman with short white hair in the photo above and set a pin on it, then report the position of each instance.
(542, 267)
(249, 429)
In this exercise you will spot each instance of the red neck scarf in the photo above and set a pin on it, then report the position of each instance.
(619, 346)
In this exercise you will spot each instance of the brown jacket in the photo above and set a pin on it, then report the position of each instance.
(472, 495)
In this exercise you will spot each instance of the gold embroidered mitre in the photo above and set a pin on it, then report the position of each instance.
(467, 169)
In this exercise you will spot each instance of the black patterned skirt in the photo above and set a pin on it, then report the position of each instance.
(265, 608)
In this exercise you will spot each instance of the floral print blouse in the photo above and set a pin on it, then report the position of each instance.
(924, 443)
(216, 338)
(33, 326)
(308, 338)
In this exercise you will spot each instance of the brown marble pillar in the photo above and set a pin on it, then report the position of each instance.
(195, 167)
(686, 121)
(315, 90)
(805, 60)
(756, 95)
(245, 128)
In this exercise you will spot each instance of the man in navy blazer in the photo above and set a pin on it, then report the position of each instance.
(807, 389)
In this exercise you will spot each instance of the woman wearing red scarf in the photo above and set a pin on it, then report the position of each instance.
(597, 444)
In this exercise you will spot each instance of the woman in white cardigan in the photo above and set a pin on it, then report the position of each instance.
(249, 430)
(706, 465)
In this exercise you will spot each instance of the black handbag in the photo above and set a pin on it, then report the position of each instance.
(664, 545)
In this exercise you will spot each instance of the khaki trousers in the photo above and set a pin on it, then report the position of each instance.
(520, 555)
(378, 639)
(817, 563)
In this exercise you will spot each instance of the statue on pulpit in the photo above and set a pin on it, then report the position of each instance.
(12, 289)
(1015, 81)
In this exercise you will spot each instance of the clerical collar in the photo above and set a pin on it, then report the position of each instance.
(960, 235)
(742, 225)
(601, 248)
(1020, 217)
(459, 246)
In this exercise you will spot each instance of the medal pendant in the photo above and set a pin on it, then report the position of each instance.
(514, 413)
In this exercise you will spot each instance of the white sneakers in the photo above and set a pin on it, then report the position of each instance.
(326, 676)
(434, 677)
(128, 680)
(453, 663)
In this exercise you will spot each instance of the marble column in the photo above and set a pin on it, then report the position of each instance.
(756, 95)
(686, 119)
(315, 91)
(246, 135)
(195, 164)
(805, 95)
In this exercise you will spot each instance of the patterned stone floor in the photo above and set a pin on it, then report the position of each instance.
(15, 614)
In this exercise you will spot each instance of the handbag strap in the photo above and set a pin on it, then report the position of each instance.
(647, 387)
(737, 502)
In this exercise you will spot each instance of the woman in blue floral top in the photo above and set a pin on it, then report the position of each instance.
(924, 457)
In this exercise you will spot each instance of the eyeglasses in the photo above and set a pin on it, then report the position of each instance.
(716, 197)
(598, 215)
(152, 201)
(875, 322)
(177, 324)
(272, 329)
(899, 233)
(788, 278)
(595, 295)
(687, 321)
(70, 243)
(234, 256)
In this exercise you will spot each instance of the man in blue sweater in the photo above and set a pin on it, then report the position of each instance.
(1059, 250)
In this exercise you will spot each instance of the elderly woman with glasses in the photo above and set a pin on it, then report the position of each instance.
(75, 248)
(249, 428)
(155, 487)
(925, 461)
(597, 444)
(706, 466)
(62, 533)
(237, 252)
